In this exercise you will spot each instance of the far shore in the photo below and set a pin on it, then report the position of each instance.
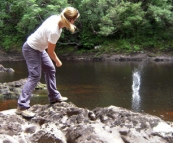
(137, 56)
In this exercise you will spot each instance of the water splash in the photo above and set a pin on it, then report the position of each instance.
(136, 88)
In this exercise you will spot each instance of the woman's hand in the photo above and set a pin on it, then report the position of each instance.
(52, 54)
(59, 64)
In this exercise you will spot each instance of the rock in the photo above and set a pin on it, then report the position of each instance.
(13, 89)
(67, 123)
(2, 68)
(9, 70)
(7, 139)
(92, 133)
(48, 133)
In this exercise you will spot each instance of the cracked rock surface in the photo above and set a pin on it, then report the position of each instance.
(67, 123)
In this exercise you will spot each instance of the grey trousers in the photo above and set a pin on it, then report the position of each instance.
(36, 63)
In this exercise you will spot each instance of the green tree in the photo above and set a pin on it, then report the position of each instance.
(19, 18)
(135, 20)
(138, 23)
(11, 12)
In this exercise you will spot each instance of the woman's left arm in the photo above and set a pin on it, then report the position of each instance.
(52, 54)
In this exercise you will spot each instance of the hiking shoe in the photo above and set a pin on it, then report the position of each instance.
(24, 112)
(61, 99)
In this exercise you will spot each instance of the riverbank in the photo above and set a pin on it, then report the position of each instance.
(11, 56)
(137, 56)
(164, 57)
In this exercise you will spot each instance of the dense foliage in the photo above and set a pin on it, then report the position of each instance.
(116, 25)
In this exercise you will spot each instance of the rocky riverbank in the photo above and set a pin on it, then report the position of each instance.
(121, 57)
(12, 90)
(11, 56)
(67, 123)
(138, 56)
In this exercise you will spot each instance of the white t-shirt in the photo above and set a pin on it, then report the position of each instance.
(49, 31)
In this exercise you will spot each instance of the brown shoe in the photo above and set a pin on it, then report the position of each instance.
(61, 99)
(24, 112)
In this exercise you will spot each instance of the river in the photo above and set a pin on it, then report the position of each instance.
(139, 86)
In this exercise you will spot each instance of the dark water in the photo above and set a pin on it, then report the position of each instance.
(91, 84)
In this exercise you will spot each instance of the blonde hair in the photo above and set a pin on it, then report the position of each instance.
(68, 14)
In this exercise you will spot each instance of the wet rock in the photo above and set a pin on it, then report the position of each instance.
(13, 89)
(67, 123)
(9, 70)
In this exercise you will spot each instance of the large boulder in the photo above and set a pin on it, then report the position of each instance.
(67, 123)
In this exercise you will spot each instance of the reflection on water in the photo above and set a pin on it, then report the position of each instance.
(91, 84)
(135, 88)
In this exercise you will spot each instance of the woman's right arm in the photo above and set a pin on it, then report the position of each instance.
(52, 54)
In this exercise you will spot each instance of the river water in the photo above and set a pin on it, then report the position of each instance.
(139, 86)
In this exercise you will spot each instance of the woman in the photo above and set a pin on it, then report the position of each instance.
(38, 60)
